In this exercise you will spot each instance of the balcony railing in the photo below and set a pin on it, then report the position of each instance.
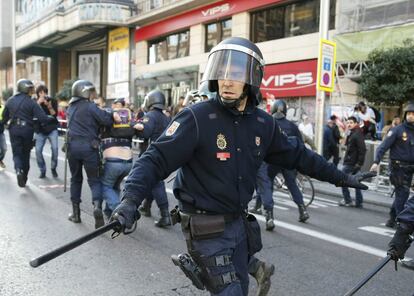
(146, 6)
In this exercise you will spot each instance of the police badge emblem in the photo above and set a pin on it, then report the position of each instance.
(172, 129)
(221, 142)
(257, 141)
(404, 136)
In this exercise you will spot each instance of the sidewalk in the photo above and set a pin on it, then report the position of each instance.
(370, 196)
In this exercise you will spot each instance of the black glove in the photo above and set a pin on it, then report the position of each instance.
(127, 214)
(399, 243)
(354, 181)
(356, 169)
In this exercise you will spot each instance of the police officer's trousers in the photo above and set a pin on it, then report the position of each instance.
(407, 215)
(233, 242)
(21, 139)
(82, 155)
(402, 192)
(290, 181)
(264, 187)
(159, 194)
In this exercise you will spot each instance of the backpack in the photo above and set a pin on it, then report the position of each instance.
(123, 129)
(377, 114)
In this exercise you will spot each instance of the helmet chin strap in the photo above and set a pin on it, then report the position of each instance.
(234, 104)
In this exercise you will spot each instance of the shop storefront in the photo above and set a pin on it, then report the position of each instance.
(294, 82)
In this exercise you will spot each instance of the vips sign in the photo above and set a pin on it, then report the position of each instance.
(296, 79)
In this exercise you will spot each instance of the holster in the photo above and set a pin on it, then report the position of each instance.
(397, 175)
(254, 237)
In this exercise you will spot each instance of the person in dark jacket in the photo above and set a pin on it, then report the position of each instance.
(217, 146)
(84, 122)
(331, 138)
(353, 160)
(21, 111)
(3, 144)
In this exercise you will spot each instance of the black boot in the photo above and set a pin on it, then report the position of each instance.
(270, 223)
(145, 208)
(303, 214)
(257, 208)
(21, 178)
(97, 214)
(391, 223)
(165, 219)
(75, 216)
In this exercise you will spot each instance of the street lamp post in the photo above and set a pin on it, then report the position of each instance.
(320, 94)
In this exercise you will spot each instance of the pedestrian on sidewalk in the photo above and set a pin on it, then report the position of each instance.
(331, 138)
(353, 160)
(399, 141)
(3, 144)
(47, 132)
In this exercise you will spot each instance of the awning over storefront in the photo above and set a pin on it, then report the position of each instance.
(295, 79)
(175, 76)
(357, 46)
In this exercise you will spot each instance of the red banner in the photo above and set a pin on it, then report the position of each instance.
(296, 79)
(201, 15)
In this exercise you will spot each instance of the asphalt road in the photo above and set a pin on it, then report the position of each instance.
(326, 256)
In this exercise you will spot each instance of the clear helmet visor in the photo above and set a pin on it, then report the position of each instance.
(233, 65)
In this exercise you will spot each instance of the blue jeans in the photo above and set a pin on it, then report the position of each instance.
(115, 170)
(264, 187)
(3, 146)
(232, 242)
(40, 143)
(348, 169)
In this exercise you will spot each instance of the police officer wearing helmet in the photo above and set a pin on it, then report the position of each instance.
(21, 110)
(84, 121)
(151, 127)
(279, 110)
(400, 142)
(217, 146)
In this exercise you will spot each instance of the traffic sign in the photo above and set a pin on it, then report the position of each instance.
(326, 66)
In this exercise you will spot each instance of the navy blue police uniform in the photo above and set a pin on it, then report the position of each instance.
(21, 111)
(400, 142)
(218, 150)
(85, 119)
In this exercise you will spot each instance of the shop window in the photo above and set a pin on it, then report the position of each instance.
(170, 47)
(289, 20)
(216, 32)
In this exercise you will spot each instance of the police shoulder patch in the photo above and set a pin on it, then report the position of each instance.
(389, 134)
(145, 119)
(172, 129)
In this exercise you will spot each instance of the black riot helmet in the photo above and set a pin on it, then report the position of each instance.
(83, 89)
(25, 86)
(236, 59)
(154, 99)
(408, 108)
(279, 109)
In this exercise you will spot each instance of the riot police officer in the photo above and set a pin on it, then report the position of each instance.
(21, 110)
(217, 146)
(279, 110)
(400, 141)
(151, 127)
(401, 240)
(84, 121)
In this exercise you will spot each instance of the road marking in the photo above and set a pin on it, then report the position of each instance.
(329, 238)
(378, 230)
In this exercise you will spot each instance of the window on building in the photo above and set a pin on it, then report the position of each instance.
(216, 32)
(288, 20)
(170, 47)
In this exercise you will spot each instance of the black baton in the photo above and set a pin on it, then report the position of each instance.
(369, 276)
(73, 244)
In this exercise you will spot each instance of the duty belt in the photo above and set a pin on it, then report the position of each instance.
(20, 122)
(402, 163)
(191, 210)
(115, 140)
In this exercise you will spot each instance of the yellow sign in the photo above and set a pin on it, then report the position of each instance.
(118, 39)
(326, 65)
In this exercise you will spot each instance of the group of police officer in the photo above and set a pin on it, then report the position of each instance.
(217, 146)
